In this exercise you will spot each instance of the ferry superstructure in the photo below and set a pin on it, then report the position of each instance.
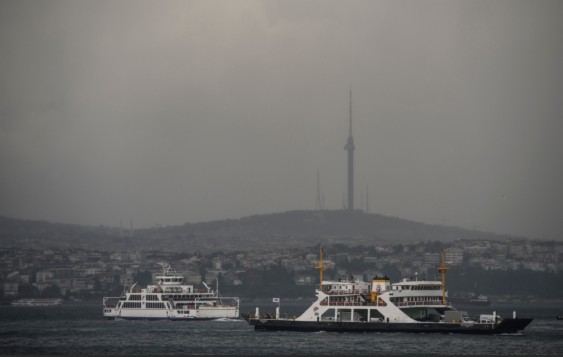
(169, 298)
(380, 306)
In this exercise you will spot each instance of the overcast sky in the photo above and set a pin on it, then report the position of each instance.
(167, 112)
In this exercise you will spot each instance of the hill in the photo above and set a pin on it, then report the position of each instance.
(268, 231)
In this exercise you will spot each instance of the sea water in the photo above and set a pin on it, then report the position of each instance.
(79, 328)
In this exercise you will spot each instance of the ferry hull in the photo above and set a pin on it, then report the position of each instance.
(145, 314)
(507, 326)
(167, 318)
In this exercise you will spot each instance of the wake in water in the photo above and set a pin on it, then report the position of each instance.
(227, 319)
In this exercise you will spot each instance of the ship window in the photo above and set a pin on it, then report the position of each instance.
(132, 305)
(375, 315)
(328, 315)
(361, 315)
(344, 315)
(155, 305)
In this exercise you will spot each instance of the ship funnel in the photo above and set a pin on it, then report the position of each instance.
(380, 284)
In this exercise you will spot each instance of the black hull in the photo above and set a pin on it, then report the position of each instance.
(506, 326)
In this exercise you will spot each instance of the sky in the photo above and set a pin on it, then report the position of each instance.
(167, 112)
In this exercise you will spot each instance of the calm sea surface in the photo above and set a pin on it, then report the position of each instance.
(80, 329)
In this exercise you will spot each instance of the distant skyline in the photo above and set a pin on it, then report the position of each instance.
(187, 111)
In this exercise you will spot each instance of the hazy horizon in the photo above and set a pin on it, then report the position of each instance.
(188, 111)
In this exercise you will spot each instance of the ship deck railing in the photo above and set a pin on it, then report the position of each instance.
(346, 292)
(418, 303)
(360, 303)
(342, 303)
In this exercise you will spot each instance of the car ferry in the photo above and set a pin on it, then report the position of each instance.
(380, 306)
(168, 298)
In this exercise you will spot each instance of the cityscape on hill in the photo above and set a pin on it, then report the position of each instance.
(273, 255)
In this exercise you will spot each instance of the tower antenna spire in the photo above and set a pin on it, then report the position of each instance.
(318, 203)
(367, 199)
(350, 148)
(350, 110)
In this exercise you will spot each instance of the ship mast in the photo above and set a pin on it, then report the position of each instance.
(442, 269)
(320, 266)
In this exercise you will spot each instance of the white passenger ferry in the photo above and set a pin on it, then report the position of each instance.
(37, 302)
(170, 299)
(380, 306)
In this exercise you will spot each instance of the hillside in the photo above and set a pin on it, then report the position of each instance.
(267, 231)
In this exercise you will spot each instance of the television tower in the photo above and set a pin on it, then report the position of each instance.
(350, 148)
